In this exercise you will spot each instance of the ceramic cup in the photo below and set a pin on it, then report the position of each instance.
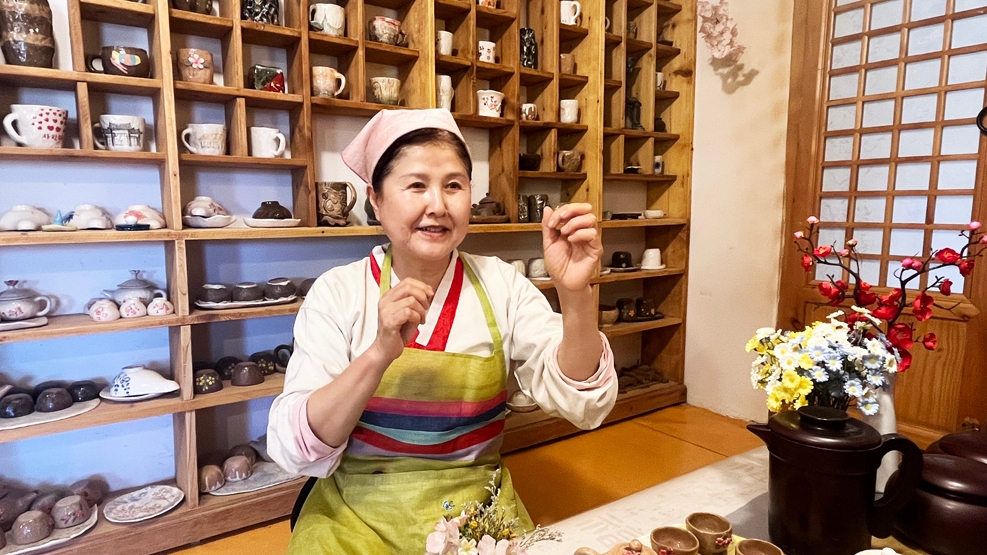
(444, 92)
(632, 29)
(761, 547)
(520, 266)
(621, 259)
(487, 3)
(567, 63)
(569, 110)
(536, 268)
(195, 65)
(529, 112)
(659, 164)
(160, 307)
(329, 19)
(569, 160)
(670, 538)
(715, 534)
(606, 24)
(651, 260)
(120, 60)
(486, 51)
(386, 89)
(267, 142)
(385, 30)
(327, 82)
(489, 103)
(120, 133)
(443, 43)
(39, 126)
(133, 308)
(659, 80)
(103, 310)
(205, 138)
(654, 214)
(569, 11)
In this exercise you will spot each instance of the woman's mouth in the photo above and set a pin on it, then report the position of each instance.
(433, 231)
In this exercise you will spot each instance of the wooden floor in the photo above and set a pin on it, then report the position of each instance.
(572, 475)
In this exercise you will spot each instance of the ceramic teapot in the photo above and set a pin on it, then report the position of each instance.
(89, 216)
(22, 304)
(24, 218)
(822, 478)
(134, 288)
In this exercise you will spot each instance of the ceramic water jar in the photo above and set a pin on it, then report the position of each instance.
(22, 304)
(24, 218)
(134, 288)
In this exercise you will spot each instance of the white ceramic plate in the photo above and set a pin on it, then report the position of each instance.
(662, 267)
(105, 394)
(266, 474)
(42, 417)
(58, 536)
(214, 221)
(625, 270)
(254, 222)
(24, 324)
(244, 304)
(143, 504)
(604, 271)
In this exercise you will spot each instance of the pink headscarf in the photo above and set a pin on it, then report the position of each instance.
(387, 126)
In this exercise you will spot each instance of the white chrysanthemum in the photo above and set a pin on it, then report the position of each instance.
(789, 362)
(856, 353)
(763, 333)
(868, 406)
(876, 379)
(860, 309)
(892, 364)
(817, 341)
(836, 315)
(819, 374)
(782, 350)
(854, 388)
(875, 346)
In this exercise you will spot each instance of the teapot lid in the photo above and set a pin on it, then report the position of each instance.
(969, 445)
(826, 428)
(135, 282)
(955, 477)
(13, 294)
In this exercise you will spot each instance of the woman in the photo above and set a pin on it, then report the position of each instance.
(396, 390)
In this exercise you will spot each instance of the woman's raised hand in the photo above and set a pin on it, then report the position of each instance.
(399, 313)
(572, 245)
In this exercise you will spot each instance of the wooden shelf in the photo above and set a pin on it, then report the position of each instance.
(275, 36)
(380, 53)
(572, 80)
(120, 12)
(504, 228)
(613, 277)
(623, 328)
(533, 76)
(39, 77)
(638, 4)
(242, 162)
(190, 23)
(451, 64)
(665, 54)
(117, 84)
(661, 94)
(391, 4)
(572, 33)
(641, 177)
(639, 134)
(642, 222)
(247, 233)
(564, 128)
(571, 128)
(81, 324)
(201, 316)
(449, 9)
(634, 46)
(612, 38)
(258, 99)
(612, 84)
(488, 71)
(230, 394)
(488, 18)
(321, 43)
(75, 154)
(565, 176)
(22, 238)
(666, 9)
(481, 122)
(349, 107)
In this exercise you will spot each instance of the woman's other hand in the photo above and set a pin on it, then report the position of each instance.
(399, 313)
(572, 245)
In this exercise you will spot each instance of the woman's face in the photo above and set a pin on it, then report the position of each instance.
(424, 204)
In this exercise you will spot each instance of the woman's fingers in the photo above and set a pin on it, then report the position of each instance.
(583, 236)
(581, 222)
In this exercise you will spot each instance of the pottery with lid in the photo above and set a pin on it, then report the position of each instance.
(134, 288)
(24, 218)
(205, 207)
(89, 216)
(21, 303)
(822, 478)
(140, 214)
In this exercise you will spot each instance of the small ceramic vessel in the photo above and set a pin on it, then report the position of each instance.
(160, 307)
(225, 365)
(140, 214)
(205, 207)
(89, 216)
(46, 502)
(15, 405)
(53, 400)
(103, 310)
(247, 373)
(214, 293)
(24, 218)
(84, 390)
(715, 534)
(279, 288)
(237, 468)
(70, 511)
(91, 490)
(266, 361)
(135, 287)
(245, 451)
(247, 291)
(672, 539)
(211, 478)
(138, 380)
(32, 526)
(22, 304)
(206, 381)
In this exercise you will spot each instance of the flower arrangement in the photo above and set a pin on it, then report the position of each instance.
(483, 530)
(832, 363)
(719, 31)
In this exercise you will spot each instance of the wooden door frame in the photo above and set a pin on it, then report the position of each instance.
(811, 28)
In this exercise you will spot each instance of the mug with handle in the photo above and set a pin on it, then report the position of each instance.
(267, 142)
(570, 11)
(207, 138)
(39, 126)
(327, 82)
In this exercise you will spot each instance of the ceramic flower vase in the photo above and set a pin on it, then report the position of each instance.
(26, 36)
(885, 422)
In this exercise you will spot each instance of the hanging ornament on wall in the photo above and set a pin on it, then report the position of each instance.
(719, 31)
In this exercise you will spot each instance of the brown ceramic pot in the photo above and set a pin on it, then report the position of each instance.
(674, 540)
(120, 60)
(247, 291)
(90, 490)
(245, 451)
(195, 65)
(211, 478)
(237, 468)
(715, 534)
(14, 405)
(758, 547)
(70, 511)
(279, 288)
(272, 210)
(225, 365)
(32, 526)
(14, 504)
(247, 373)
(53, 400)
(206, 381)
(26, 36)
(46, 502)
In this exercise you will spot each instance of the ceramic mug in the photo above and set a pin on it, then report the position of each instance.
(119, 133)
(487, 3)
(536, 268)
(329, 19)
(606, 24)
(621, 259)
(267, 142)
(659, 80)
(715, 534)
(529, 112)
(282, 354)
(570, 11)
(120, 60)
(632, 29)
(567, 63)
(444, 93)
(386, 30)
(569, 110)
(489, 103)
(334, 207)
(195, 65)
(386, 89)
(659, 164)
(569, 160)
(205, 138)
(40, 126)
(443, 43)
(486, 51)
(327, 82)
(103, 310)
(651, 260)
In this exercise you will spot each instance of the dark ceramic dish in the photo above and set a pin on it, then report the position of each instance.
(279, 288)
(247, 291)
(224, 367)
(214, 293)
(529, 162)
(272, 210)
(53, 400)
(16, 405)
(266, 361)
(206, 381)
(84, 390)
(247, 373)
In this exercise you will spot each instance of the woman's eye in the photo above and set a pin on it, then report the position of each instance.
(454, 185)
(417, 185)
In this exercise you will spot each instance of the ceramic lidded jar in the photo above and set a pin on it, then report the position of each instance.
(26, 35)
(22, 304)
(140, 214)
(134, 288)
(24, 218)
(89, 216)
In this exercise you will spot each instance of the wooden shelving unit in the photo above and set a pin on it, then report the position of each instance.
(600, 84)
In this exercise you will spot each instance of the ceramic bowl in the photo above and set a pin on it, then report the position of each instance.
(529, 162)
(608, 315)
(683, 542)
(519, 401)
(206, 381)
(214, 293)
(266, 361)
(137, 380)
(279, 288)
(225, 365)
(247, 291)
(654, 214)
(271, 210)
(247, 373)
(32, 526)
(306, 285)
(53, 400)
(211, 478)
(761, 547)
(70, 511)
(715, 534)
(84, 390)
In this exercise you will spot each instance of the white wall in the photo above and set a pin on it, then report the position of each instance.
(737, 190)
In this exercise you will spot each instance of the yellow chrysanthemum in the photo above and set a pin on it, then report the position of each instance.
(752, 344)
(790, 379)
(805, 361)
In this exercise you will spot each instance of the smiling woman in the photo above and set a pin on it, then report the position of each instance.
(396, 393)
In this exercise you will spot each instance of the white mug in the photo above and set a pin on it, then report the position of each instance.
(329, 19)
(443, 43)
(386, 90)
(651, 260)
(489, 103)
(205, 138)
(120, 133)
(327, 82)
(444, 92)
(267, 142)
(536, 268)
(486, 51)
(40, 126)
(529, 112)
(659, 80)
(570, 11)
(659, 164)
(569, 110)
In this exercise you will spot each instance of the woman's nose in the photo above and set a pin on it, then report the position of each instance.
(435, 201)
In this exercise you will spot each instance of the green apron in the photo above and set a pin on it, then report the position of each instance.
(379, 503)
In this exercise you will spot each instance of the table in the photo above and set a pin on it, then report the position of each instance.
(736, 487)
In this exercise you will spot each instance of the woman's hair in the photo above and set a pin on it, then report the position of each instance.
(418, 137)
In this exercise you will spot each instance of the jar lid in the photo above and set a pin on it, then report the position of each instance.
(955, 477)
(136, 282)
(825, 427)
(969, 445)
(13, 294)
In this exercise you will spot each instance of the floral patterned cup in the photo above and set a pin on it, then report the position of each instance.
(489, 103)
(195, 65)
